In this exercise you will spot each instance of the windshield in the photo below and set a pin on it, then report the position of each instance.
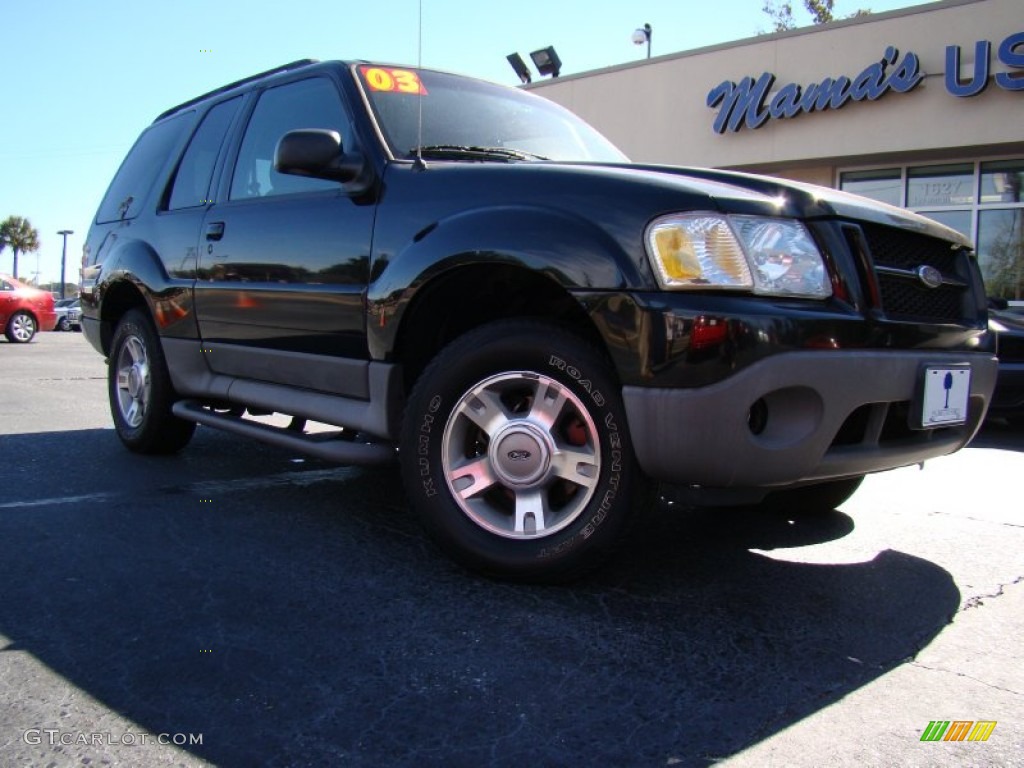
(460, 113)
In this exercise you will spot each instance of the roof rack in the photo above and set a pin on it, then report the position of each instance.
(224, 88)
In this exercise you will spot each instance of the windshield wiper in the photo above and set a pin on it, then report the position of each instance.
(458, 152)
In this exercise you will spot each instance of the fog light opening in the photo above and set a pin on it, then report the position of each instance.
(757, 418)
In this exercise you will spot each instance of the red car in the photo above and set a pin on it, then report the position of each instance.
(24, 310)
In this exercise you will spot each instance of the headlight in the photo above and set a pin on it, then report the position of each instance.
(774, 257)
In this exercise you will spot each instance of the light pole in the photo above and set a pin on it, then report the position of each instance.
(64, 257)
(643, 35)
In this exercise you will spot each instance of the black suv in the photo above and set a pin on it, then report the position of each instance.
(471, 278)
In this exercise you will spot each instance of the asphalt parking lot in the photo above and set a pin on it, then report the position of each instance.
(287, 612)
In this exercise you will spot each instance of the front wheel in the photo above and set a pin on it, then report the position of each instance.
(515, 453)
(63, 325)
(140, 390)
(21, 328)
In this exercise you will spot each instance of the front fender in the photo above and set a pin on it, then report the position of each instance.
(568, 249)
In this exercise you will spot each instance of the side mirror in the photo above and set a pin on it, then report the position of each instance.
(994, 303)
(316, 153)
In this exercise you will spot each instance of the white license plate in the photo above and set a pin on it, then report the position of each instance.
(946, 391)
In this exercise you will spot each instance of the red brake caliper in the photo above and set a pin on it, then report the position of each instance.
(576, 431)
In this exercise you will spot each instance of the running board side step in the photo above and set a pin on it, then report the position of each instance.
(324, 445)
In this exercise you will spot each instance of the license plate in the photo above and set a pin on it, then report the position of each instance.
(946, 391)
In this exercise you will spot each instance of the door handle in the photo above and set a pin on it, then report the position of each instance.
(215, 230)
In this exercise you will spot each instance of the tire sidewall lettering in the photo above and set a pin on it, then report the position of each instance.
(571, 370)
(612, 465)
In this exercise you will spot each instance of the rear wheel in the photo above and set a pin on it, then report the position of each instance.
(515, 453)
(821, 497)
(140, 390)
(21, 328)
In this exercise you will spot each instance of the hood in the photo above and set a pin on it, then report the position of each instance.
(804, 201)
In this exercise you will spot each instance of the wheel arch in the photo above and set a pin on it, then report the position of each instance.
(23, 311)
(484, 293)
(132, 276)
(119, 297)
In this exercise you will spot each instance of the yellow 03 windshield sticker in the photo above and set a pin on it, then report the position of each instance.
(392, 80)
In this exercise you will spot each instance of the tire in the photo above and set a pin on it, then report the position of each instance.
(140, 391)
(516, 456)
(21, 328)
(63, 325)
(821, 497)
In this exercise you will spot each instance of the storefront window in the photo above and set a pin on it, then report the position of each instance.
(882, 185)
(983, 200)
(1001, 182)
(1001, 251)
(958, 220)
(936, 185)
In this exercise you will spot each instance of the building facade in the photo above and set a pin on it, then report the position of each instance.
(922, 108)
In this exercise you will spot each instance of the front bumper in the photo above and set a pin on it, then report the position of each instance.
(817, 415)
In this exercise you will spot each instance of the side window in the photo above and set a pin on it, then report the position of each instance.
(192, 184)
(313, 103)
(137, 173)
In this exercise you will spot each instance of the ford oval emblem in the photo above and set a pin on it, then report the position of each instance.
(519, 455)
(930, 276)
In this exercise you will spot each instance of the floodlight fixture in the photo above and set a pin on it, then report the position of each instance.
(520, 67)
(546, 61)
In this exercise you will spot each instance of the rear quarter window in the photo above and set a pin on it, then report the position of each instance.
(135, 177)
(192, 183)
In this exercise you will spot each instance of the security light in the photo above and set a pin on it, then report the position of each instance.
(643, 35)
(546, 61)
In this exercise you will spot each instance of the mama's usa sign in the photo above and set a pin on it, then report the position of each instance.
(752, 103)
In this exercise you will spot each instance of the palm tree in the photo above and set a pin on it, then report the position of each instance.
(21, 236)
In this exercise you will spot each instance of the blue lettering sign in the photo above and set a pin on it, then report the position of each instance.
(743, 103)
(979, 81)
(1008, 54)
(1011, 57)
(741, 100)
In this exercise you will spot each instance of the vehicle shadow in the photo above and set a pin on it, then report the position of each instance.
(996, 433)
(311, 623)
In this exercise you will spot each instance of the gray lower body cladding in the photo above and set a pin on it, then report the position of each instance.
(800, 416)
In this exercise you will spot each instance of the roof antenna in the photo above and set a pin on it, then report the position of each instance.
(419, 165)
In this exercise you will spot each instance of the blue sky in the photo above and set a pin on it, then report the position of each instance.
(81, 80)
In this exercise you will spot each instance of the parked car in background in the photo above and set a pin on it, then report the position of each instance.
(69, 314)
(1007, 324)
(24, 310)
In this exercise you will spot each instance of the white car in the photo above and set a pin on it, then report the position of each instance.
(69, 314)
